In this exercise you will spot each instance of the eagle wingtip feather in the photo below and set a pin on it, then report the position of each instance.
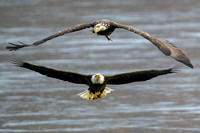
(176, 69)
(17, 62)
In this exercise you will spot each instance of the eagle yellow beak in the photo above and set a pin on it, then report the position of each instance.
(98, 76)
(96, 30)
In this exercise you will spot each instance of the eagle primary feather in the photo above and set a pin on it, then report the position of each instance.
(106, 28)
(97, 87)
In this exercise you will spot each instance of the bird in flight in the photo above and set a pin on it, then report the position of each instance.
(97, 83)
(105, 28)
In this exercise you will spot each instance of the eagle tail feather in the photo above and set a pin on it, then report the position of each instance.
(88, 95)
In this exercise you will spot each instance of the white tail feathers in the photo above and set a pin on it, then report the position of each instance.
(91, 96)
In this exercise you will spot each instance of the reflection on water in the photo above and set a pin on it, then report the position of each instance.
(31, 102)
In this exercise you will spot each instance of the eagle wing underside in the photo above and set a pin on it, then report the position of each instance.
(56, 73)
(136, 76)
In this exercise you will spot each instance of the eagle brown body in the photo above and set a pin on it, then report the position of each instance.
(97, 83)
(106, 28)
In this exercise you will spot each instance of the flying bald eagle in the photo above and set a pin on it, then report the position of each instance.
(105, 28)
(97, 83)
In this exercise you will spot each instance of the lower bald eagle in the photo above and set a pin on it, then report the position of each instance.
(106, 27)
(97, 83)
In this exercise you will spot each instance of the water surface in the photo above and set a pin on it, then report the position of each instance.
(30, 102)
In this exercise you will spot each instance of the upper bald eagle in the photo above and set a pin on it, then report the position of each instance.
(106, 27)
(97, 83)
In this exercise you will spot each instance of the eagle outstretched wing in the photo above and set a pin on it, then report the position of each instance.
(14, 46)
(125, 78)
(164, 46)
(56, 73)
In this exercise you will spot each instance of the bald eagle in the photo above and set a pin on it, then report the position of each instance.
(106, 27)
(97, 83)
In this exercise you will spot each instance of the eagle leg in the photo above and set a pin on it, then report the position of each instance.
(108, 37)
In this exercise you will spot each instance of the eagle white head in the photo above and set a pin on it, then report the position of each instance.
(97, 79)
(99, 27)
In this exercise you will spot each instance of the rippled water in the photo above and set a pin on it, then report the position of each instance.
(30, 102)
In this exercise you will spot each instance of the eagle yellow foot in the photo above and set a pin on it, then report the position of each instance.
(91, 96)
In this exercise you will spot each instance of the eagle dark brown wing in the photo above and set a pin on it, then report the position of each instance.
(163, 45)
(56, 73)
(60, 33)
(136, 76)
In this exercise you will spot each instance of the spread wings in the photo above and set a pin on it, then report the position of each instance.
(56, 73)
(60, 33)
(164, 46)
(136, 76)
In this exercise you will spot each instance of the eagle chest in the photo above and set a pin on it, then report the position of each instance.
(97, 87)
